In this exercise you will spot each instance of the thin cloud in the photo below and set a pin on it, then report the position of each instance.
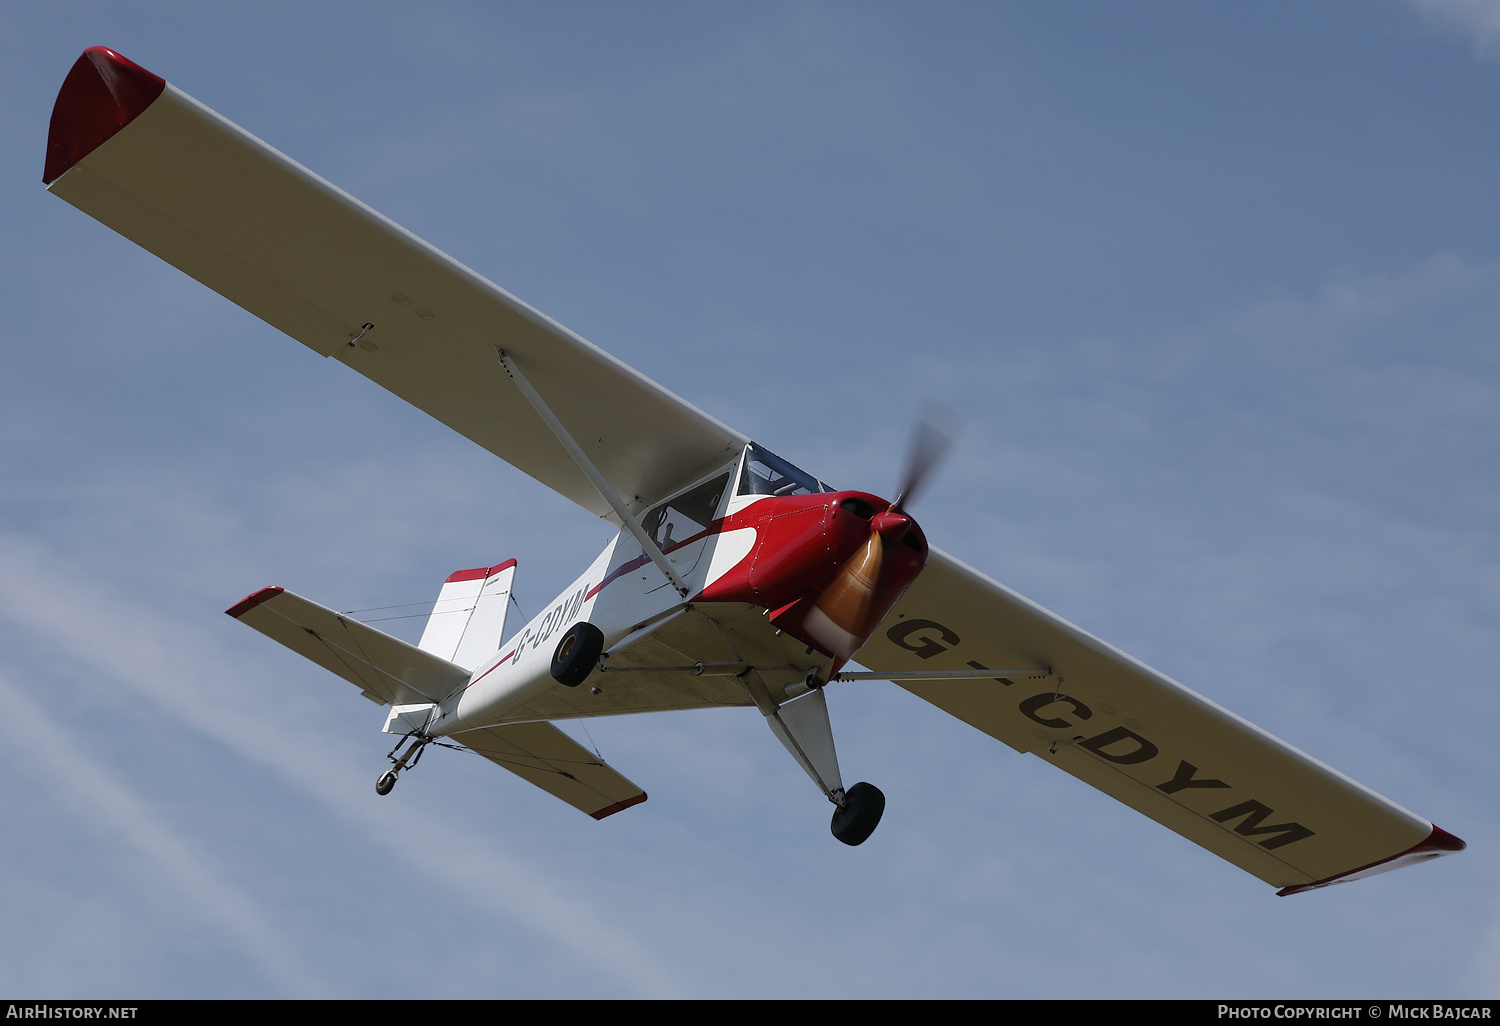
(100, 795)
(160, 659)
(1479, 19)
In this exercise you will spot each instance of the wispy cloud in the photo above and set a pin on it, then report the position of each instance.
(101, 795)
(1479, 19)
(161, 662)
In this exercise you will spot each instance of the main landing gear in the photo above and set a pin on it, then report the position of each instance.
(802, 726)
(859, 814)
(577, 654)
(410, 757)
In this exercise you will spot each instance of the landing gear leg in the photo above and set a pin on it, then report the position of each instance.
(803, 727)
(411, 756)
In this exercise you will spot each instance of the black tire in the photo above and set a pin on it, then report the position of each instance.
(860, 814)
(576, 654)
(386, 782)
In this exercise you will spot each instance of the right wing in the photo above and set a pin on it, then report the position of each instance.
(266, 233)
(1139, 736)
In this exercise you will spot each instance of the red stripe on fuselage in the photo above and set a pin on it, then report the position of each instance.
(634, 564)
(498, 663)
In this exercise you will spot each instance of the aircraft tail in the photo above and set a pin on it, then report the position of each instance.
(469, 618)
(468, 621)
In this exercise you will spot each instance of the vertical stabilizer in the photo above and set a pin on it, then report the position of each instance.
(468, 620)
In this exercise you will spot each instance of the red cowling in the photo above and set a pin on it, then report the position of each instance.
(827, 567)
(866, 587)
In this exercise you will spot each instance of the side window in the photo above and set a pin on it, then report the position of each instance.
(677, 520)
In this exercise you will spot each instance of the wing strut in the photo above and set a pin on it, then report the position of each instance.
(591, 472)
(976, 674)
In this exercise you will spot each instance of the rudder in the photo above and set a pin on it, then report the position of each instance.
(468, 620)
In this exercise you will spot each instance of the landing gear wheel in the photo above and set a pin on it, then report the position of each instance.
(386, 782)
(576, 654)
(860, 814)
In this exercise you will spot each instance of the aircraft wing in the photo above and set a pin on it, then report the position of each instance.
(1141, 737)
(266, 233)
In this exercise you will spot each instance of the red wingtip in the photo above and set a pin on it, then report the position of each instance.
(101, 95)
(249, 602)
(610, 810)
(1439, 842)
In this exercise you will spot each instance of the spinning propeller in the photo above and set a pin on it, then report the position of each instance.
(857, 600)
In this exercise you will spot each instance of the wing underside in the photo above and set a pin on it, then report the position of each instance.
(1139, 736)
(307, 258)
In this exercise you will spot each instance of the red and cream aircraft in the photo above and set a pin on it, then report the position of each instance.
(736, 579)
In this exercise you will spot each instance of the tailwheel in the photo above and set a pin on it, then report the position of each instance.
(407, 759)
(860, 814)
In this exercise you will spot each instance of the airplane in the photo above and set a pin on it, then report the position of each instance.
(736, 578)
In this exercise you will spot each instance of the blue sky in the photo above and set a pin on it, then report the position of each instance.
(1215, 288)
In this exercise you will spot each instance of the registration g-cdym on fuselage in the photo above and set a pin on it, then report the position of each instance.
(736, 579)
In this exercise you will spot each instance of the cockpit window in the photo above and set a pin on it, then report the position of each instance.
(765, 473)
(679, 519)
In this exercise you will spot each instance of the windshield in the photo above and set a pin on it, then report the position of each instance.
(765, 473)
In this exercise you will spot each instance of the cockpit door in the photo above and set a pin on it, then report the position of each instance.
(683, 525)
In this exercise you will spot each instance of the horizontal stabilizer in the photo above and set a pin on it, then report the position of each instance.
(551, 760)
(386, 669)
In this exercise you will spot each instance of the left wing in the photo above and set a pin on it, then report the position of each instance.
(266, 233)
(1141, 737)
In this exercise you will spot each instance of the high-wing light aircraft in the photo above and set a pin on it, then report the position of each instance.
(736, 578)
